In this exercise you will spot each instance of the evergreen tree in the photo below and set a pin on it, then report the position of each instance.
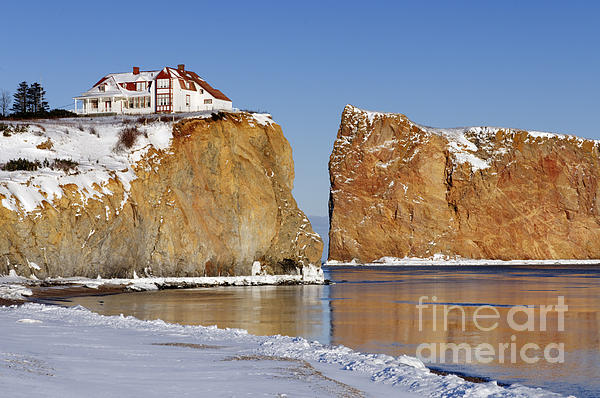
(36, 99)
(20, 98)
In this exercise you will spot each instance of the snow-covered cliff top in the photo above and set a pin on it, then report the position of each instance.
(462, 140)
(88, 142)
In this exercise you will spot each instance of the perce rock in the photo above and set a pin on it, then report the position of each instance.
(204, 196)
(400, 190)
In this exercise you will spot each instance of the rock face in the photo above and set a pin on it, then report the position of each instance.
(216, 199)
(403, 190)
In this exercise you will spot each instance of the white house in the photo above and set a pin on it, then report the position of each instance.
(159, 91)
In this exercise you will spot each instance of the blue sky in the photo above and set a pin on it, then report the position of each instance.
(532, 65)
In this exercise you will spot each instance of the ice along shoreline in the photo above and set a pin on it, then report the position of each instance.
(15, 289)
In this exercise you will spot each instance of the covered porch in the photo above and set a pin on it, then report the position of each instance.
(97, 105)
(139, 104)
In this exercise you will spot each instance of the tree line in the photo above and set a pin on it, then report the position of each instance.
(29, 100)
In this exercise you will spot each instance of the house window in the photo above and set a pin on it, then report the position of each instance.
(147, 102)
(162, 83)
(102, 88)
(163, 100)
(94, 104)
(201, 91)
(187, 100)
(140, 86)
(208, 101)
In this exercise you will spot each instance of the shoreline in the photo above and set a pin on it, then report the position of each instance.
(435, 261)
(387, 370)
(16, 290)
(56, 294)
(53, 295)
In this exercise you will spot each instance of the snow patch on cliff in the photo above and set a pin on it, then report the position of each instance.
(264, 119)
(460, 140)
(90, 142)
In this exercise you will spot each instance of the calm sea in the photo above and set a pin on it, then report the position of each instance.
(470, 320)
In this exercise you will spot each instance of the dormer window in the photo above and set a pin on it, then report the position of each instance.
(162, 83)
(140, 86)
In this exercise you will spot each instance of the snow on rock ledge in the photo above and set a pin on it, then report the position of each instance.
(206, 195)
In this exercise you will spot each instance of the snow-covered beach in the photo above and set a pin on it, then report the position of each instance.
(55, 351)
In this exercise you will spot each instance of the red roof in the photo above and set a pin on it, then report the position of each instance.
(100, 81)
(186, 76)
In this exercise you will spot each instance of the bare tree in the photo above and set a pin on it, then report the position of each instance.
(4, 101)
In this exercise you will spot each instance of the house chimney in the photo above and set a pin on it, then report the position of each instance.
(136, 70)
(181, 67)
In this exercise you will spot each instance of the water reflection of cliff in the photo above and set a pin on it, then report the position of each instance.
(262, 310)
(377, 312)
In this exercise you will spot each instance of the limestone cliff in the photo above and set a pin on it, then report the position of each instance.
(210, 198)
(403, 190)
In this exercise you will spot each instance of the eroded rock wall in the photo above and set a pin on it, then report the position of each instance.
(403, 190)
(213, 202)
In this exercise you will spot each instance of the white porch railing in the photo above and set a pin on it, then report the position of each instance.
(93, 111)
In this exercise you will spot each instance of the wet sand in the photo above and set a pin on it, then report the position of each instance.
(57, 294)
(54, 294)
(4, 302)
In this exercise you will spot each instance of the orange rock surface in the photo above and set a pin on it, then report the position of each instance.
(213, 202)
(403, 190)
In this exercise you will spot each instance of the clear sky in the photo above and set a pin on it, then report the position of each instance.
(525, 64)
